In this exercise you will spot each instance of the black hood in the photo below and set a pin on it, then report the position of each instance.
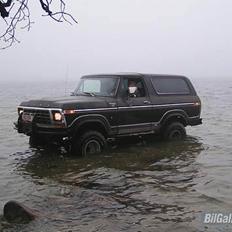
(71, 102)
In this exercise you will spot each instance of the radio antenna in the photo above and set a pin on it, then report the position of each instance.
(66, 80)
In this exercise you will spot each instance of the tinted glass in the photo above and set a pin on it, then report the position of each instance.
(170, 85)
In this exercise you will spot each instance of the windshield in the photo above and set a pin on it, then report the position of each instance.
(97, 86)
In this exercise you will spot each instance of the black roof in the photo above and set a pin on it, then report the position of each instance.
(114, 74)
(131, 74)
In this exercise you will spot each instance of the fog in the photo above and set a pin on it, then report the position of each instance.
(191, 38)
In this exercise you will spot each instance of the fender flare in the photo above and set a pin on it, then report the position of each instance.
(180, 114)
(91, 118)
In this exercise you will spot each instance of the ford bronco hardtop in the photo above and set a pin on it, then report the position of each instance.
(109, 106)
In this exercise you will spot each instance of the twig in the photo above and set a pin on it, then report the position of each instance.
(19, 14)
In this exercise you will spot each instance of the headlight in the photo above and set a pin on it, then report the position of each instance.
(57, 116)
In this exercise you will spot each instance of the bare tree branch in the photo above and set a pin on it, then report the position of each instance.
(58, 16)
(3, 5)
(17, 12)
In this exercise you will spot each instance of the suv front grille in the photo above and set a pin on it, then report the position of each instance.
(40, 116)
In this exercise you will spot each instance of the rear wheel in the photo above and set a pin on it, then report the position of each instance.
(174, 131)
(89, 143)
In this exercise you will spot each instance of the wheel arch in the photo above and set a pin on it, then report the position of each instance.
(174, 116)
(91, 122)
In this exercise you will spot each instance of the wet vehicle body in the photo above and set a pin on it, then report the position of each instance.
(102, 108)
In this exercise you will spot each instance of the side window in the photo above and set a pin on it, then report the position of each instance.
(134, 87)
(169, 85)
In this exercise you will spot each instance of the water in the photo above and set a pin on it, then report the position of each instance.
(143, 185)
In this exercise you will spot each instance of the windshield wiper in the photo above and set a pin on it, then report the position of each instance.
(90, 94)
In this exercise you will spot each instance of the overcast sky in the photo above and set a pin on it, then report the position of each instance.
(189, 37)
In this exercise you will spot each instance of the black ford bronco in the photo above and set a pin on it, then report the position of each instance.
(109, 106)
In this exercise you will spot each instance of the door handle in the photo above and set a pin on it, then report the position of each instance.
(112, 104)
(147, 102)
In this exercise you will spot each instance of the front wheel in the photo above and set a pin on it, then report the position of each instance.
(174, 132)
(89, 143)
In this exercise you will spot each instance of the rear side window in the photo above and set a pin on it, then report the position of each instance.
(169, 85)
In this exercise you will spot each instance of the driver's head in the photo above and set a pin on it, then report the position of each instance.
(131, 83)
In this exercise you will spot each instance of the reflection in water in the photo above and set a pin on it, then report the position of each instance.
(131, 186)
(141, 156)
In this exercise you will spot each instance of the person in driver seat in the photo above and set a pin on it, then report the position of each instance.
(133, 89)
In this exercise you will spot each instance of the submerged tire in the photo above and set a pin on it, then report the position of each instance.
(37, 141)
(174, 132)
(89, 143)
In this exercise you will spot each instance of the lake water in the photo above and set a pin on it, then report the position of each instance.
(141, 185)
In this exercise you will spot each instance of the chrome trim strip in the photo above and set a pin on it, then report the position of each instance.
(134, 107)
(39, 108)
(96, 109)
(175, 104)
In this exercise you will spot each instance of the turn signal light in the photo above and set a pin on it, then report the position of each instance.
(69, 111)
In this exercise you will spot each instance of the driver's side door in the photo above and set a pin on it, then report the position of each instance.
(134, 113)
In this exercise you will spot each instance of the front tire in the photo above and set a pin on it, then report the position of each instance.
(175, 131)
(37, 141)
(89, 143)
